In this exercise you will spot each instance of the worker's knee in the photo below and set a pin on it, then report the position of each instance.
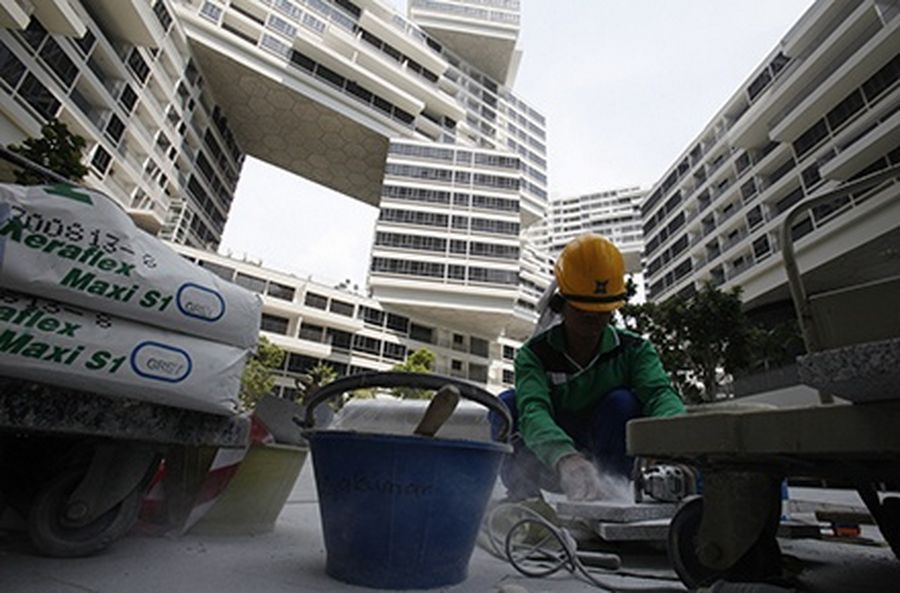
(620, 404)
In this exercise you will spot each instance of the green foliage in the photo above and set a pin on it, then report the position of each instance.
(314, 379)
(258, 379)
(420, 361)
(775, 346)
(57, 149)
(697, 339)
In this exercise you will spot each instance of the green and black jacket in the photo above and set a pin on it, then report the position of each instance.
(547, 380)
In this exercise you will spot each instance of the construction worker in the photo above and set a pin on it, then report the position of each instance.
(580, 381)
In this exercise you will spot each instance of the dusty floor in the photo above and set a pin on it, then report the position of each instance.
(291, 559)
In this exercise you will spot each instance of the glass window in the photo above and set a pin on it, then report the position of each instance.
(11, 68)
(883, 79)
(844, 110)
(761, 247)
(370, 315)
(478, 373)
(59, 62)
(218, 269)
(394, 351)
(298, 363)
(340, 340)
(341, 308)
(138, 66)
(366, 344)
(509, 353)
(86, 43)
(810, 138)
(316, 300)
(39, 97)
(250, 282)
(115, 128)
(100, 160)
(280, 291)
(421, 333)
(162, 14)
(128, 98)
(313, 333)
(478, 347)
(34, 34)
(397, 322)
(274, 324)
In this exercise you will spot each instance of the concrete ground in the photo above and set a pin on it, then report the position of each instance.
(291, 559)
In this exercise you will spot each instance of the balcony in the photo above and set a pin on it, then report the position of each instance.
(149, 213)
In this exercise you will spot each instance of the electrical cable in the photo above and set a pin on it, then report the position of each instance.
(553, 551)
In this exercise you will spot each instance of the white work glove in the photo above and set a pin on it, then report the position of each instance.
(579, 478)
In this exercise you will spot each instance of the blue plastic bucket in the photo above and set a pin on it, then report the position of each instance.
(401, 512)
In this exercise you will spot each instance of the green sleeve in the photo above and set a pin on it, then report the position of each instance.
(652, 385)
(536, 425)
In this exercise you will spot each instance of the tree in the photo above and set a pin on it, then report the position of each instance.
(650, 320)
(714, 333)
(258, 379)
(57, 149)
(776, 345)
(698, 339)
(420, 361)
(314, 379)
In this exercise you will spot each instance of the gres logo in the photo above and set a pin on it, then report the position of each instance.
(153, 360)
(200, 302)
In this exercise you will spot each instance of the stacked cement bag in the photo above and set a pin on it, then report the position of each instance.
(91, 301)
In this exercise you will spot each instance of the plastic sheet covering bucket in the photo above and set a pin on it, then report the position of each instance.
(402, 511)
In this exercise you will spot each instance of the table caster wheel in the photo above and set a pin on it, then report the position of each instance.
(58, 529)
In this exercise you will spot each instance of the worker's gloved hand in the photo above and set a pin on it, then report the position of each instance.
(579, 478)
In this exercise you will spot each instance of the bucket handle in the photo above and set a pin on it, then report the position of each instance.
(414, 380)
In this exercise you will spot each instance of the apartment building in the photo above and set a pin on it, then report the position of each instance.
(172, 94)
(316, 87)
(121, 75)
(822, 108)
(451, 238)
(615, 214)
(352, 332)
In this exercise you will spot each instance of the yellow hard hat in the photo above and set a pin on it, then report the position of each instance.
(590, 273)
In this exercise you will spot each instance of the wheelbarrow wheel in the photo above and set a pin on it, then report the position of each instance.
(762, 562)
(54, 535)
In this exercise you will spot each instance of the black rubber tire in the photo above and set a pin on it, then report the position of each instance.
(52, 537)
(682, 545)
(761, 563)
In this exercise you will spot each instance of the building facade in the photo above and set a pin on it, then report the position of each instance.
(421, 120)
(121, 75)
(352, 332)
(614, 214)
(451, 238)
(821, 109)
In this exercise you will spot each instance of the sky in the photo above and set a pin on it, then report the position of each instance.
(625, 85)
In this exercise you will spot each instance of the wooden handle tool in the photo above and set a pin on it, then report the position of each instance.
(439, 410)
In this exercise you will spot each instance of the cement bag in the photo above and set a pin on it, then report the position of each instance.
(79, 246)
(64, 345)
